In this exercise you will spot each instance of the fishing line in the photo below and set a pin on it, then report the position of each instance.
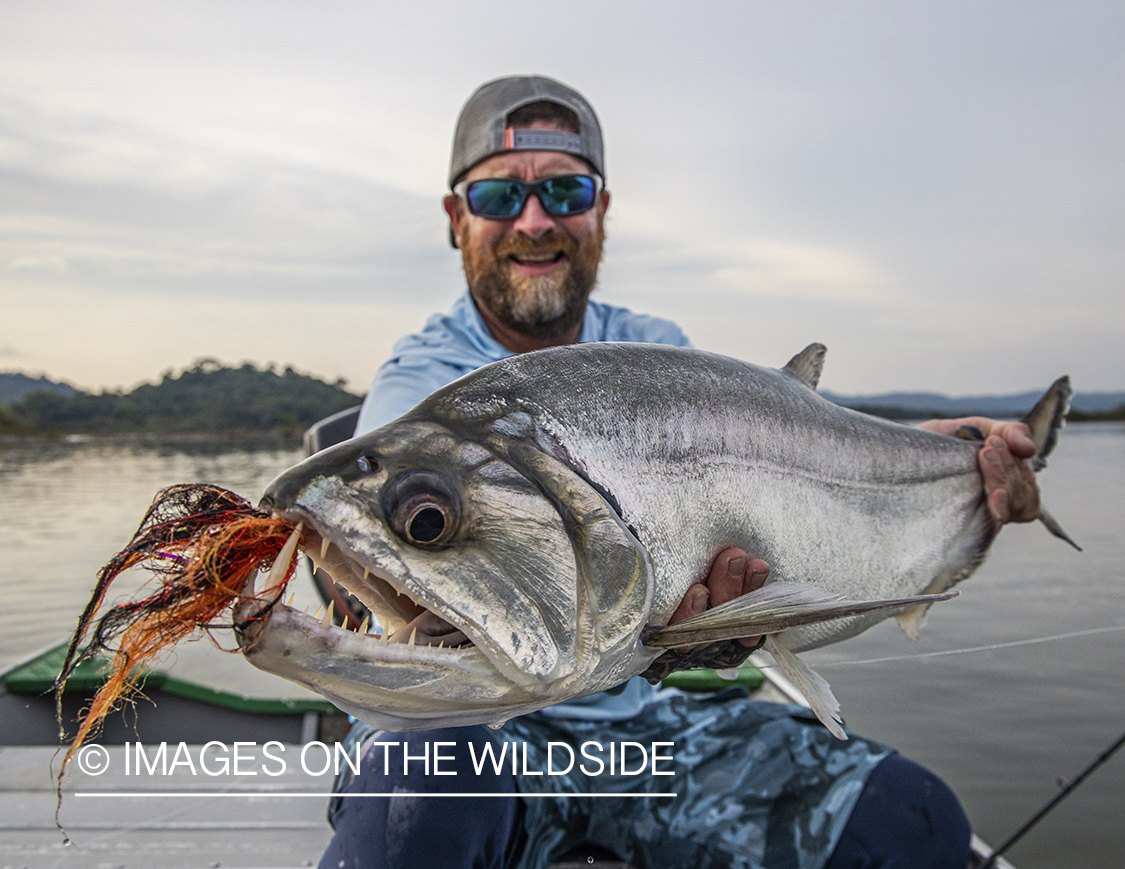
(821, 665)
(1058, 798)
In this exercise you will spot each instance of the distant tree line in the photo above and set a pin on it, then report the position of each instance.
(890, 411)
(208, 398)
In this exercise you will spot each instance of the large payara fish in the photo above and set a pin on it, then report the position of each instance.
(525, 533)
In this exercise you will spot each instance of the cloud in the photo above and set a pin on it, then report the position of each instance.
(117, 207)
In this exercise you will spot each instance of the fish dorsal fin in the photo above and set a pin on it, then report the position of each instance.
(1046, 418)
(808, 364)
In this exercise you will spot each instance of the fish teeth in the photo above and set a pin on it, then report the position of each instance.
(284, 559)
(413, 633)
(324, 544)
(327, 620)
(366, 622)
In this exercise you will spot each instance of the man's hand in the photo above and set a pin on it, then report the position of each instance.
(1009, 482)
(734, 572)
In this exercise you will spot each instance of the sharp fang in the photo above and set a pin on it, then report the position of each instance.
(319, 610)
(324, 544)
(292, 599)
(284, 559)
(327, 620)
(410, 642)
(366, 622)
(366, 573)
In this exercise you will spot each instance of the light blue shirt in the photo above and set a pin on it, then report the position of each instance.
(451, 345)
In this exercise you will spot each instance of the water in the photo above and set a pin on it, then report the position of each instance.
(1002, 725)
(67, 507)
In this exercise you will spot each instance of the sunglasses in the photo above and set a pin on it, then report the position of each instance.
(504, 198)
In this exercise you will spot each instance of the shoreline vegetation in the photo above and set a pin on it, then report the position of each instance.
(211, 400)
(207, 400)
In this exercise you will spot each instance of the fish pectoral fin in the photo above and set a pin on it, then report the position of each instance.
(775, 607)
(810, 683)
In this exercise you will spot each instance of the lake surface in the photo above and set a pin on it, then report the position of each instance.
(1001, 724)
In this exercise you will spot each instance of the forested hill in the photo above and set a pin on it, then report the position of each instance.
(208, 398)
(14, 386)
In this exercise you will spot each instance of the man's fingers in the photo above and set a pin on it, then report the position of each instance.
(1017, 437)
(1009, 484)
(727, 576)
(692, 603)
(1023, 495)
(757, 572)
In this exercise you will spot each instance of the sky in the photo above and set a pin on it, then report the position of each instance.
(935, 191)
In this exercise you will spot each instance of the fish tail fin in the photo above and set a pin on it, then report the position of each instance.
(1045, 420)
(810, 683)
(1052, 525)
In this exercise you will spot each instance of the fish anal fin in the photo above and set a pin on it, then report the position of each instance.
(913, 620)
(808, 364)
(810, 683)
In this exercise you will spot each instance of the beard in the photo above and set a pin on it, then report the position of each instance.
(544, 306)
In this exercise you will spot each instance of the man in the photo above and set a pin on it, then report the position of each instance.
(759, 784)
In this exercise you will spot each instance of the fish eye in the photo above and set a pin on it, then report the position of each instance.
(421, 509)
(425, 524)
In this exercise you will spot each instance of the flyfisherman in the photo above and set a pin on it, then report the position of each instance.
(758, 784)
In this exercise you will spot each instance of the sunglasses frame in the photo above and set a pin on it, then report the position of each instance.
(529, 189)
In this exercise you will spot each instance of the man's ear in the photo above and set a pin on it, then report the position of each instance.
(605, 200)
(452, 205)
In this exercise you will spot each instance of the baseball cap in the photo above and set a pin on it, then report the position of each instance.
(482, 128)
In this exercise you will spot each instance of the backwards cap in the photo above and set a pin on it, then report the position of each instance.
(482, 127)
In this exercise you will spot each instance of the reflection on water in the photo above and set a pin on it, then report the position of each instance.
(1001, 725)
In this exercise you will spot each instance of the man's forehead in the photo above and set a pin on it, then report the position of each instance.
(528, 165)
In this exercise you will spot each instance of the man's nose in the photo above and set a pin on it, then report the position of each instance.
(533, 221)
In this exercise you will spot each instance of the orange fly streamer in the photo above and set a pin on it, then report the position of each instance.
(203, 542)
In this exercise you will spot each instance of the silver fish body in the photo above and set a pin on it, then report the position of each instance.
(547, 512)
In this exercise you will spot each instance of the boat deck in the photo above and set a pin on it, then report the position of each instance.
(190, 817)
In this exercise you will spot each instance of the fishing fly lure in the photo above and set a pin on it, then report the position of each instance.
(203, 543)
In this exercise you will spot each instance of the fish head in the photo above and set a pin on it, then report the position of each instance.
(503, 580)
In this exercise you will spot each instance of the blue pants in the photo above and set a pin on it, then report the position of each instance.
(904, 816)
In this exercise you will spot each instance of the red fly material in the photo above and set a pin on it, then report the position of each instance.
(202, 543)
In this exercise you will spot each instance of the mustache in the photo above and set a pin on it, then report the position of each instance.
(550, 243)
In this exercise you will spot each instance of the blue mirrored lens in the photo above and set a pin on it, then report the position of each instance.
(567, 194)
(504, 198)
(496, 197)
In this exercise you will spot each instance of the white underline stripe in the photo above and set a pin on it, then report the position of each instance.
(259, 794)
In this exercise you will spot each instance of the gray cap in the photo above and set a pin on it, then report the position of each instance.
(482, 125)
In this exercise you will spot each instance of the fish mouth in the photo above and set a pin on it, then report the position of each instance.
(380, 610)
